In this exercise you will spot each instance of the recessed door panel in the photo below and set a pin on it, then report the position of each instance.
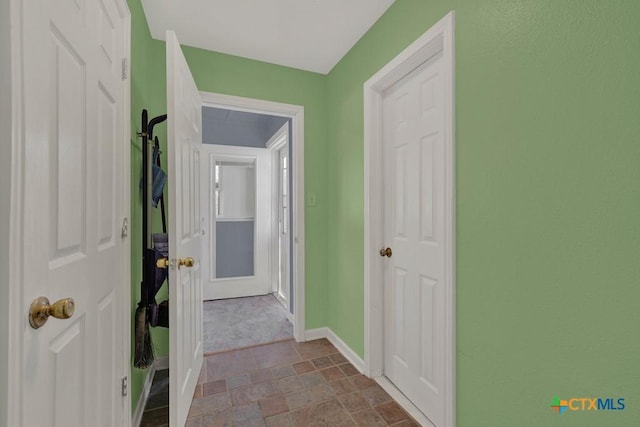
(195, 196)
(67, 147)
(427, 192)
(400, 200)
(107, 376)
(428, 306)
(400, 303)
(107, 146)
(68, 353)
(185, 194)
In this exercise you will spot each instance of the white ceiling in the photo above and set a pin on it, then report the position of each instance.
(311, 35)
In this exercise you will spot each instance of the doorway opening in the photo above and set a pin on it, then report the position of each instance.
(252, 185)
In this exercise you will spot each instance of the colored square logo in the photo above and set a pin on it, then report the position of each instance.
(559, 405)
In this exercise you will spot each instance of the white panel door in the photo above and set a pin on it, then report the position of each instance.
(74, 164)
(414, 228)
(184, 142)
(221, 209)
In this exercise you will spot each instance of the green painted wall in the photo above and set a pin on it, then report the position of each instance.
(548, 201)
(215, 72)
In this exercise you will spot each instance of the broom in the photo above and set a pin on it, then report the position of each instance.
(143, 352)
(143, 348)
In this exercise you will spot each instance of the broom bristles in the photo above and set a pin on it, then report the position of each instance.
(143, 354)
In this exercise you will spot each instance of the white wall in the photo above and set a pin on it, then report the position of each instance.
(5, 186)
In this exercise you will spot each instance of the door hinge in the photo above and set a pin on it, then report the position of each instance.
(125, 228)
(125, 68)
(125, 386)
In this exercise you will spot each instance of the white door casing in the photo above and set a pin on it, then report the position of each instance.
(68, 206)
(184, 142)
(296, 113)
(409, 200)
(234, 287)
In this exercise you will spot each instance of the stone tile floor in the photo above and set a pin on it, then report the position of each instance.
(286, 384)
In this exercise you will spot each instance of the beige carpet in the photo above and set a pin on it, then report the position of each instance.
(241, 322)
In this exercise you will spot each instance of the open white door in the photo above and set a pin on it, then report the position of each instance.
(68, 214)
(184, 140)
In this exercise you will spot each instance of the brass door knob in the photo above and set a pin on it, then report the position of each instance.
(182, 262)
(40, 310)
(386, 252)
(186, 262)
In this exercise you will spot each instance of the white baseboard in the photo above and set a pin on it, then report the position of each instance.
(158, 364)
(343, 348)
(402, 400)
(315, 334)
(346, 351)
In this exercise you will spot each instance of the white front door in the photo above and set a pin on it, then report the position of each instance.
(236, 188)
(184, 142)
(74, 164)
(284, 237)
(414, 228)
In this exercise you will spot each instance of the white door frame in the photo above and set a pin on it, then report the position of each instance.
(437, 38)
(296, 114)
(17, 313)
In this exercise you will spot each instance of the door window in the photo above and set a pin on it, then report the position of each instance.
(235, 200)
